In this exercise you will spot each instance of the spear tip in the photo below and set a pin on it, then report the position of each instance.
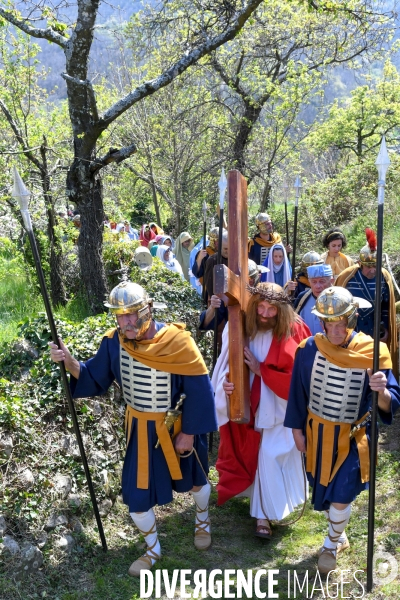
(19, 192)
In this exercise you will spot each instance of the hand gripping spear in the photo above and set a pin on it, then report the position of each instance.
(382, 164)
(22, 195)
(297, 187)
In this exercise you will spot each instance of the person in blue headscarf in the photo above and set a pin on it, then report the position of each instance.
(320, 278)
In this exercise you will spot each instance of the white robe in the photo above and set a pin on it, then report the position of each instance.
(279, 483)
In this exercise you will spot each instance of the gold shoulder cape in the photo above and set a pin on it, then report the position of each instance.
(275, 239)
(358, 354)
(392, 341)
(171, 350)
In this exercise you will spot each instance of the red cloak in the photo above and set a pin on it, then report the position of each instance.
(239, 443)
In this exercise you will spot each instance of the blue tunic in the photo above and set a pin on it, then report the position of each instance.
(255, 251)
(198, 418)
(347, 484)
(362, 287)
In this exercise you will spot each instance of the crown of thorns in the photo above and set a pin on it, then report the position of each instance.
(269, 294)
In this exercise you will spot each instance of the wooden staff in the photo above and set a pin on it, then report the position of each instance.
(382, 163)
(21, 194)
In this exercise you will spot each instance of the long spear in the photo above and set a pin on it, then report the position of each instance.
(382, 164)
(286, 188)
(22, 195)
(222, 184)
(297, 187)
(204, 225)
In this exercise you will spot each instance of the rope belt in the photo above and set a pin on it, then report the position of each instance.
(329, 464)
(143, 444)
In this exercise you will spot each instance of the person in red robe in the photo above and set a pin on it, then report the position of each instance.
(259, 459)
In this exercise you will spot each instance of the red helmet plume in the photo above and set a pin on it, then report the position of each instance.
(371, 239)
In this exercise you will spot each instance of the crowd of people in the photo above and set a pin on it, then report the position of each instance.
(309, 356)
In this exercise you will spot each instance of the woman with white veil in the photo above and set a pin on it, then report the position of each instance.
(278, 264)
(164, 253)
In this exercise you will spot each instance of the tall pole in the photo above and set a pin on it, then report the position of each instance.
(222, 184)
(204, 209)
(286, 188)
(297, 187)
(22, 195)
(382, 164)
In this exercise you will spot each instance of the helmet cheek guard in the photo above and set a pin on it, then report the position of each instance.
(128, 298)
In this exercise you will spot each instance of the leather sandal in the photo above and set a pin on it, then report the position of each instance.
(326, 560)
(144, 562)
(264, 531)
(202, 537)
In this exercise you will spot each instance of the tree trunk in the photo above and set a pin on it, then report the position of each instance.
(247, 122)
(266, 197)
(89, 202)
(57, 288)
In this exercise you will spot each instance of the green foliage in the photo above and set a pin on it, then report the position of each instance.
(13, 408)
(355, 125)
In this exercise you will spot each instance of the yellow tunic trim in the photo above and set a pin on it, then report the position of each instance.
(143, 444)
(330, 464)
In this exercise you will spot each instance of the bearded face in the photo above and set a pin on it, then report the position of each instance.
(265, 323)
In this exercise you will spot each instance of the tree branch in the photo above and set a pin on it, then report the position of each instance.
(92, 96)
(113, 155)
(150, 182)
(20, 139)
(47, 34)
(181, 65)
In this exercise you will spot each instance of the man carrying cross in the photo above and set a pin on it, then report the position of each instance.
(259, 459)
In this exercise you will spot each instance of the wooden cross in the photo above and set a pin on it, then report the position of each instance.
(232, 282)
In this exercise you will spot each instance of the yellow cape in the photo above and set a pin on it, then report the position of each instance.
(358, 354)
(275, 239)
(171, 350)
(392, 341)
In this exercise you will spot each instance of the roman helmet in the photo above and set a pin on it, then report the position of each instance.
(368, 252)
(127, 298)
(309, 259)
(213, 237)
(261, 221)
(255, 272)
(336, 303)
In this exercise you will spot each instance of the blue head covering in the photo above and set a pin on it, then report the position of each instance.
(319, 271)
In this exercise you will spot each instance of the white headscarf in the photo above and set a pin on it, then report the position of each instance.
(285, 265)
(171, 264)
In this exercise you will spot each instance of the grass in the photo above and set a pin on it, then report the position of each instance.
(88, 573)
(16, 302)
